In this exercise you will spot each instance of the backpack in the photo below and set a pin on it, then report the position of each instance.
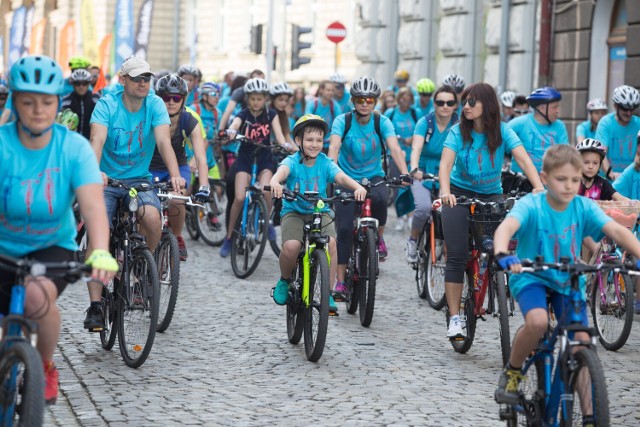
(431, 124)
(348, 117)
(315, 108)
(414, 114)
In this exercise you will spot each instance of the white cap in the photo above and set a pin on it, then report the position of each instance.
(135, 66)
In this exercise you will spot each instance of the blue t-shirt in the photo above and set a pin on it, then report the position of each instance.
(130, 143)
(432, 149)
(345, 101)
(37, 189)
(536, 138)
(210, 122)
(361, 151)
(424, 111)
(628, 183)
(404, 125)
(475, 168)
(552, 234)
(309, 178)
(584, 129)
(621, 141)
(328, 112)
(298, 110)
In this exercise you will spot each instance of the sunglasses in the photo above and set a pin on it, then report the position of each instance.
(213, 94)
(623, 108)
(362, 101)
(401, 80)
(520, 112)
(81, 83)
(174, 98)
(144, 78)
(426, 93)
(471, 101)
(441, 103)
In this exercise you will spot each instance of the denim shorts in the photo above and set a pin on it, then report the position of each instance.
(113, 194)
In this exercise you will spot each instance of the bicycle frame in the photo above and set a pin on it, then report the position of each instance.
(311, 244)
(248, 195)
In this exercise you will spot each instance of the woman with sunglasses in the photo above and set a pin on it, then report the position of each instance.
(81, 101)
(471, 166)
(428, 141)
(184, 129)
(358, 153)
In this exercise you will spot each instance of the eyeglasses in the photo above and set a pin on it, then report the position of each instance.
(471, 101)
(81, 83)
(451, 103)
(174, 98)
(624, 108)
(362, 101)
(144, 78)
(212, 94)
(401, 80)
(520, 112)
(426, 93)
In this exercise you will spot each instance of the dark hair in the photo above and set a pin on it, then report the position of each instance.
(283, 118)
(322, 85)
(303, 100)
(484, 94)
(445, 89)
(238, 82)
(520, 99)
(257, 73)
(310, 128)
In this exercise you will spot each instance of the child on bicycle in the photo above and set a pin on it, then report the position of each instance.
(593, 185)
(552, 224)
(310, 170)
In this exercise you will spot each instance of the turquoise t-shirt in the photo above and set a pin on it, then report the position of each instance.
(552, 234)
(309, 178)
(345, 101)
(628, 183)
(584, 129)
(328, 112)
(536, 138)
(130, 143)
(621, 141)
(432, 149)
(404, 125)
(298, 110)
(38, 189)
(430, 108)
(361, 150)
(475, 168)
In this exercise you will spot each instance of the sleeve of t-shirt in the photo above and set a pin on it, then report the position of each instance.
(509, 138)
(421, 127)
(602, 131)
(622, 184)
(596, 219)
(272, 114)
(160, 115)
(580, 130)
(308, 109)
(607, 190)
(237, 95)
(522, 210)
(563, 137)
(454, 139)
(85, 170)
(388, 112)
(289, 162)
(386, 127)
(331, 170)
(338, 125)
(101, 114)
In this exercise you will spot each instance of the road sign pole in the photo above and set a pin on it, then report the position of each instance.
(335, 59)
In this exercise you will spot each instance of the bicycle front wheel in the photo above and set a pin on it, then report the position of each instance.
(190, 223)
(503, 314)
(168, 262)
(612, 308)
(109, 333)
(247, 250)
(138, 311)
(368, 276)
(317, 312)
(210, 220)
(21, 385)
(436, 263)
(589, 389)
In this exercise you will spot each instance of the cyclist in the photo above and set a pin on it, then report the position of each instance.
(592, 185)
(75, 63)
(342, 96)
(184, 129)
(192, 75)
(43, 168)
(542, 129)
(210, 114)
(299, 102)
(540, 223)
(325, 106)
(596, 108)
(237, 97)
(506, 100)
(618, 130)
(257, 122)
(386, 100)
(357, 147)
(428, 141)
(126, 126)
(281, 95)
(520, 106)
(471, 166)
(401, 80)
(81, 101)
(310, 170)
(424, 104)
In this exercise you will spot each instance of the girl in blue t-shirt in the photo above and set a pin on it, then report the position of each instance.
(325, 106)
(471, 166)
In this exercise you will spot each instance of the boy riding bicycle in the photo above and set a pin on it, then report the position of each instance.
(552, 224)
(310, 170)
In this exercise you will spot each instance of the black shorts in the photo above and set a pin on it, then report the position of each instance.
(244, 162)
(52, 254)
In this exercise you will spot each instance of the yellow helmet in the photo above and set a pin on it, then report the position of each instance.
(402, 75)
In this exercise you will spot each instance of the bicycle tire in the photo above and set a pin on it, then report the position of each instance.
(168, 264)
(295, 309)
(317, 313)
(275, 213)
(423, 249)
(256, 238)
(532, 389)
(612, 307)
(501, 285)
(190, 224)
(210, 220)
(352, 283)
(368, 266)
(435, 276)
(463, 344)
(24, 401)
(586, 358)
(138, 308)
(110, 332)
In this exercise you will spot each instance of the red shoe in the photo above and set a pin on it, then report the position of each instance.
(51, 383)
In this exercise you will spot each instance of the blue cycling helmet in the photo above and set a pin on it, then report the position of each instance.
(543, 95)
(208, 87)
(36, 73)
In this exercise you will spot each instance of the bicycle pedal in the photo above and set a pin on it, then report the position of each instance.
(334, 314)
(101, 329)
(457, 338)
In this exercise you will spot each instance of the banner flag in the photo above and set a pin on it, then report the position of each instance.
(124, 31)
(16, 35)
(144, 29)
(37, 37)
(28, 25)
(67, 45)
(89, 37)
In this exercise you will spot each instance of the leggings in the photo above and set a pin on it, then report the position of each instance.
(345, 213)
(422, 200)
(455, 224)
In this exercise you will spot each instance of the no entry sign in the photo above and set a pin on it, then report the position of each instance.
(336, 32)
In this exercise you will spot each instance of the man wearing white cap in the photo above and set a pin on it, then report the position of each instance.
(126, 126)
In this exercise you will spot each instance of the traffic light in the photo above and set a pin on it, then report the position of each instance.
(256, 39)
(297, 46)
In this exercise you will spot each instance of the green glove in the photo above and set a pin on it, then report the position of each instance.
(102, 260)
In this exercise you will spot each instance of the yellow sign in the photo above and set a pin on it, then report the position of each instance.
(89, 38)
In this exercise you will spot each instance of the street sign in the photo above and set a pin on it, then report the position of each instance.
(336, 32)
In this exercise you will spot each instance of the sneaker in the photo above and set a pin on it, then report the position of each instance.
(333, 308)
(636, 306)
(214, 224)
(340, 292)
(50, 383)
(281, 292)
(182, 248)
(225, 249)
(508, 384)
(455, 327)
(400, 224)
(272, 233)
(412, 251)
(382, 249)
(94, 322)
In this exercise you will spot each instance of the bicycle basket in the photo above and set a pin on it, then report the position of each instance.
(483, 225)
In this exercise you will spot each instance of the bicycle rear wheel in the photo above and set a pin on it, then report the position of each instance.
(138, 313)
(246, 251)
(532, 390)
(462, 344)
(110, 332)
(317, 312)
(435, 275)
(612, 308)
(210, 220)
(21, 385)
(368, 277)
(589, 389)
(501, 284)
(168, 263)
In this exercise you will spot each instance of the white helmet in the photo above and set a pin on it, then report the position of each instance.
(280, 89)
(338, 78)
(364, 87)
(256, 85)
(455, 81)
(626, 96)
(80, 75)
(506, 98)
(596, 104)
(592, 145)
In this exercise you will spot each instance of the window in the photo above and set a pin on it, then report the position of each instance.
(617, 43)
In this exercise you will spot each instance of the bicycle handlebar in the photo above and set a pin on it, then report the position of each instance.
(70, 270)
(143, 186)
(425, 176)
(565, 266)
(165, 189)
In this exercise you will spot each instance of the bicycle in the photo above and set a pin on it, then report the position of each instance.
(130, 302)
(209, 217)
(562, 389)
(482, 277)
(21, 372)
(274, 218)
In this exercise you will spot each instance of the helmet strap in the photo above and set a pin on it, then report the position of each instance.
(546, 117)
(32, 134)
(359, 115)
